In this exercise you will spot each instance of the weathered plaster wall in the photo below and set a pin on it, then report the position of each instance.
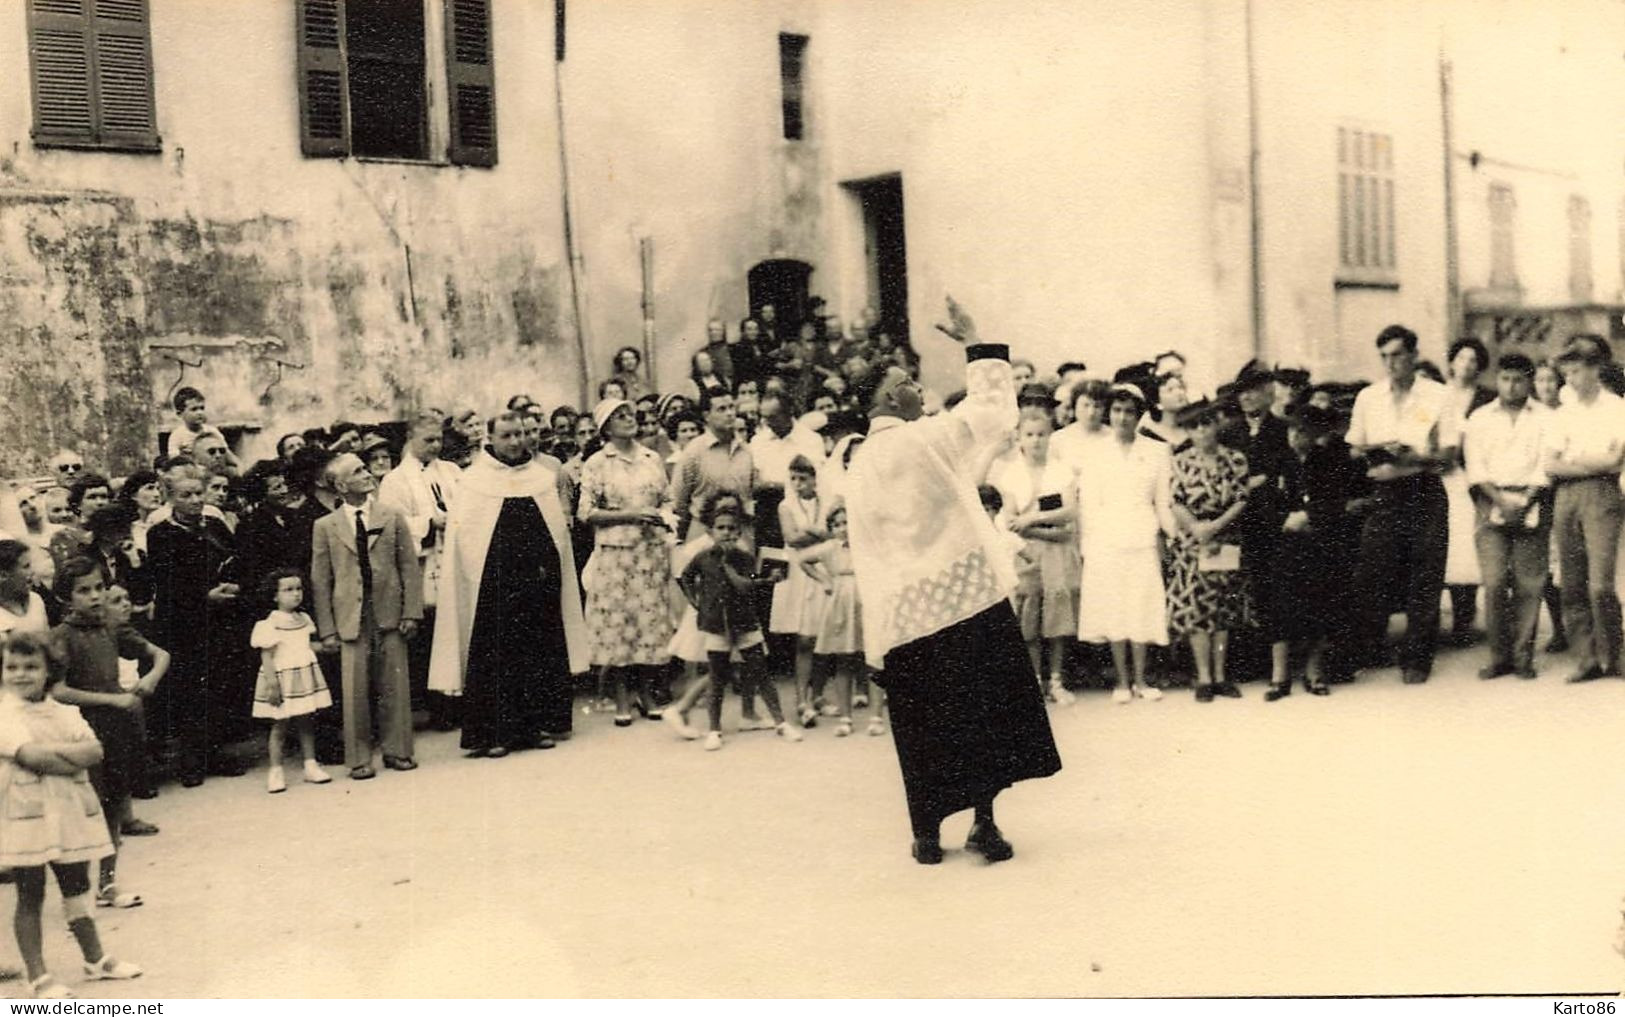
(231, 244)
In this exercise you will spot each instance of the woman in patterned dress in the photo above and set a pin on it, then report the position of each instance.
(1208, 493)
(623, 498)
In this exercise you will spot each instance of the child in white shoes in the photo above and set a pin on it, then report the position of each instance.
(720, 583)
(49, 813)
(290, 687)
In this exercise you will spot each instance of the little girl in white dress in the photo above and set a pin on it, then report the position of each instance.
(290, 685)
(840, 632)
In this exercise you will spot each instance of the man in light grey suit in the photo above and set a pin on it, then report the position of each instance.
(369, 600)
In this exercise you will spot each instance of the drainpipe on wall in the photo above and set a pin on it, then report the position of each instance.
(564, 188)
(1452, 266)
(1255, 216)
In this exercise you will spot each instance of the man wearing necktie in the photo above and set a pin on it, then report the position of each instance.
(369, 602)
(423, 487)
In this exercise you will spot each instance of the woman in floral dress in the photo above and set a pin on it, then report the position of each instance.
(623, 498)
(1207, 594)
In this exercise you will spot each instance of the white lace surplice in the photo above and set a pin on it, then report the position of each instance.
(925, 553)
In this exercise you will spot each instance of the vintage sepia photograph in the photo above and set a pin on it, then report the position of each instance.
(812, 499)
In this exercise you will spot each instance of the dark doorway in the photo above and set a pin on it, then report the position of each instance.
(884, 251)
(782, 282)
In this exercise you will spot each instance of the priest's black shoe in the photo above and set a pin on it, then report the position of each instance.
(928, 850)
(987, 841)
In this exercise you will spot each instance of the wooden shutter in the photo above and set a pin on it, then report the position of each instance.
(59, 48)
(471, 83)
(123, 74)
(324, 91)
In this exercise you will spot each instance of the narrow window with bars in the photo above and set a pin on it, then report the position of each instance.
(1503, 264)
(1365, 204)
(363, 80)
(91, 67)
(1579, 249)
(792, 64)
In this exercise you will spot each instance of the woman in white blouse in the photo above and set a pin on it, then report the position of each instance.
(1123, 508)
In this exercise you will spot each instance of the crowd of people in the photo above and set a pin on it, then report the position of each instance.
(487, 572)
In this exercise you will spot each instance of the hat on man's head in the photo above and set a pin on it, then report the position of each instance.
(372, 442)
(605, 409)
(1586, 349)
(1252, 375)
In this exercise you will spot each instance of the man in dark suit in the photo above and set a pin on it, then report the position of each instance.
(369, 600)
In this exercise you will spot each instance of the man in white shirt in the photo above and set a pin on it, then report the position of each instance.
(1503, 443)
(1395, 430)
(423, 487)
(780, 439)
(1584, 450)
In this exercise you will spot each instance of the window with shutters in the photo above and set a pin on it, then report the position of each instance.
(91, 68)
(1365, 208)
(371, 73)
(792, 62)
(1503, 265)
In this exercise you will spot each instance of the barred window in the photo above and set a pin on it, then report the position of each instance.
(1365, 201)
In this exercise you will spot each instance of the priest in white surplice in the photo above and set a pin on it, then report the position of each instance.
(934, 580)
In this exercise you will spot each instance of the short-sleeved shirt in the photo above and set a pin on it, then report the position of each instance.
(92, 650)
(181, 439)
(34, 619)
(616, 481)
(1587, 429)
(1411, 419)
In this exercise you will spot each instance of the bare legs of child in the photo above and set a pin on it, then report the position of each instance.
(1054, 691)
(755, 680)
(73, 879)
(805, 710)
(304, 726)
(108, 894)
(1127, 686)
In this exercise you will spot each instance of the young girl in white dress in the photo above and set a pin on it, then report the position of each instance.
(798, 602)
(840, 632)
(290, 685)
(49, 813)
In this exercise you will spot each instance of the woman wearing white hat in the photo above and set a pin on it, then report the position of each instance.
(624, 498)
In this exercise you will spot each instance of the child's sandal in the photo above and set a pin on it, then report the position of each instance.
(110, 897)
(47, 987)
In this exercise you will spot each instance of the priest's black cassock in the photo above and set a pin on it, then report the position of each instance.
(934, 579)
(508, 630)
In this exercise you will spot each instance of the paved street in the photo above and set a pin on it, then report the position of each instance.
(1457, 837)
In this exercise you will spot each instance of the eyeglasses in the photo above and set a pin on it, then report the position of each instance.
(69, 467)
